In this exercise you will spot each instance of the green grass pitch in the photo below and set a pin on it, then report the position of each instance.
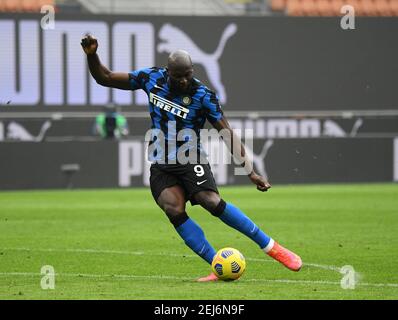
(117, 244)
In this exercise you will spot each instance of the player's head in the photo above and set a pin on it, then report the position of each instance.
(180, 69)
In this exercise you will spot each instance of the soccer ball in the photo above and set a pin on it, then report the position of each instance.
(228, 264)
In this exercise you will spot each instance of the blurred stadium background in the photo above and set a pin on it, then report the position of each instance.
(208, 7)
(321, 101)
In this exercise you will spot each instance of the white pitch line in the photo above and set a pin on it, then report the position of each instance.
(131, 276)
(320, 266)
(88, 275)
(325, 267)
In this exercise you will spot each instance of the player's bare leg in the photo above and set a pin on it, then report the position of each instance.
(172, 201)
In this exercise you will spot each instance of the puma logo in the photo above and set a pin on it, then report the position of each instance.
(15, 131)
(358, 123)
(332, 129)
(258, 160)
(174, 39)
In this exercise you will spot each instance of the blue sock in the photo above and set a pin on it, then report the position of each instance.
(195, 239)
(236, 219)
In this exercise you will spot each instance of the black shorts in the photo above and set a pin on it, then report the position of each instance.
(191, 177)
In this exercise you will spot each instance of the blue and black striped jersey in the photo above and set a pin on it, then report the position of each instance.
(171, 112)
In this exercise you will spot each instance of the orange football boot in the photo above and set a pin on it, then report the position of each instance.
(210, 277)
(289, 259)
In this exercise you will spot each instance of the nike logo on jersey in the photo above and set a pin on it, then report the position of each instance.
(199, 183)
(157, 87)
(168, 106)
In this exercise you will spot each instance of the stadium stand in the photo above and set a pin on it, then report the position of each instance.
(333, 7)
(162, 7)
(23, 5)
(326, 8)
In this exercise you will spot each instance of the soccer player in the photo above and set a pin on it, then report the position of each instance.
(176, 97)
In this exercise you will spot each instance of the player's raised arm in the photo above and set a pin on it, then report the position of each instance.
(100, 73)
(234, 143)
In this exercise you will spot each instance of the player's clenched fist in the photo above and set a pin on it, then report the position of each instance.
(89, 44)
(262, 184)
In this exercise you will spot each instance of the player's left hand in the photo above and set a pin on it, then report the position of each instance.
(262, 184)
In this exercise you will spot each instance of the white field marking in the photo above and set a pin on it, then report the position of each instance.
(135, 253)
(320, 266)
(87, 275)
(153, 277)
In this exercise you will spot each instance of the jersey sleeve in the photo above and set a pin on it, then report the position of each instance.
(139, 78)
(212, 106)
